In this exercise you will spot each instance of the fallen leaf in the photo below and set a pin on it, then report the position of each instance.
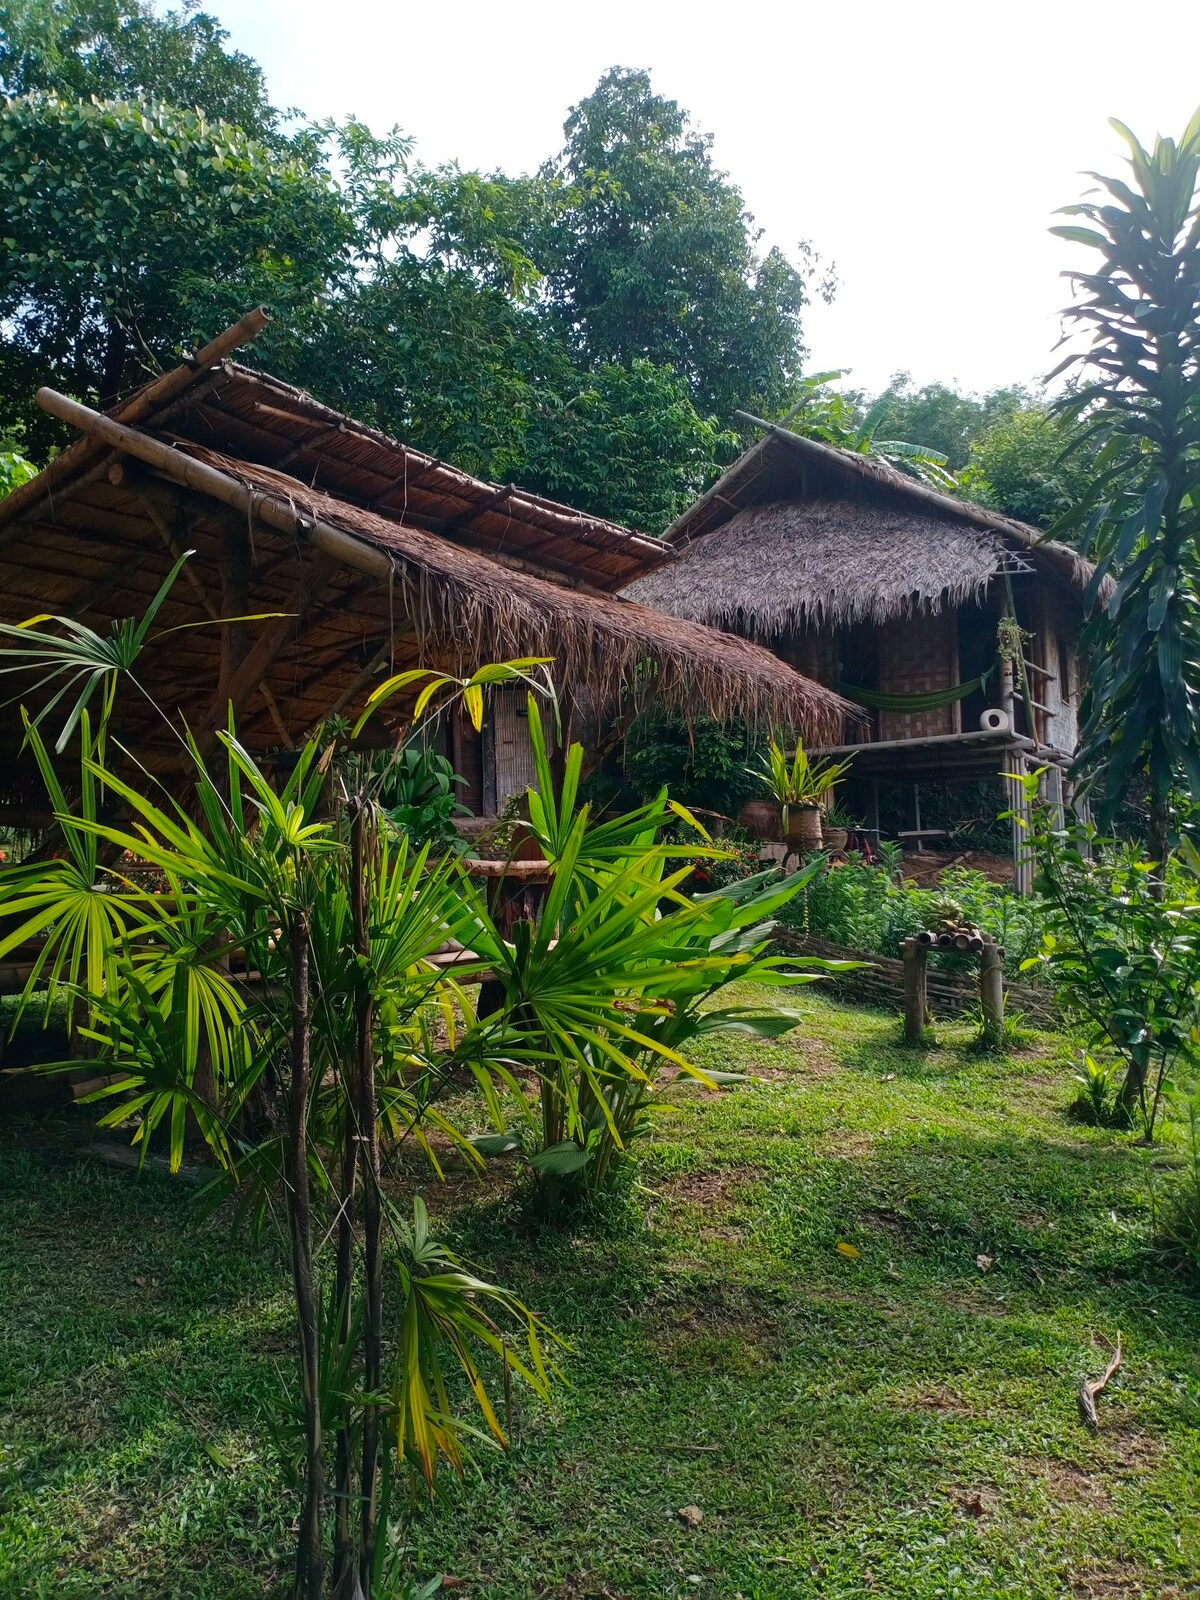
(690, 1516)
(141, 1282)
(849, 1250)
(974, 1507)
(985, 1263)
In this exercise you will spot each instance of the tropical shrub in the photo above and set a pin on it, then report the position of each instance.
(1121, 942)
(283, 1004)
(701, 762)
(417, 789)
(598, 1069)
(864, 907)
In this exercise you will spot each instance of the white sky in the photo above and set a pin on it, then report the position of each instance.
(922, 148)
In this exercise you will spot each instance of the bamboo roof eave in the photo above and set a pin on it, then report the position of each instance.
(456, 597)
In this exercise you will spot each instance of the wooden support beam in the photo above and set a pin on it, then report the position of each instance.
(160, 391)
(272, 706)
(192, 474)
(991, 993)
(916, 999)
(276, 638)
(169, 520)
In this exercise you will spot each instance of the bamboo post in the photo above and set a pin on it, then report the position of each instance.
(915, 997)
(991, 992)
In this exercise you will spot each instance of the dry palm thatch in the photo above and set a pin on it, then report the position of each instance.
(807, 563)
(455, 597)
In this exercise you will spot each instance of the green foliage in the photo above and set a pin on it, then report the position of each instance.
(948, 421)
(800, 782)
(835, 417)
(1139, 397)
(1098, 1083)
(864, 908)
(1029, 464)
(128, 50)
(417, 791)
(14, 471)
(653, 254)
(586, 331)
(1177, 1209)
(1122, 946)
(601, 927)
(130, 228)
(702, 762)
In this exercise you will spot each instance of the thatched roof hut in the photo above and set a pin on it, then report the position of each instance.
(799, 534)
(378, 556)
(899, 597)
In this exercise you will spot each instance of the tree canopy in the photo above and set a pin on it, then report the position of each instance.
(587, 330)
(126, 50)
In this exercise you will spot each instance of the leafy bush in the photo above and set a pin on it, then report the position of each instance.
(1121, 942)
(863, 907)
(1178, 1217)
(1096, 1101)
(701, 762)
(418, 794)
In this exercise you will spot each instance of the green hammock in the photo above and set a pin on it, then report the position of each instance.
(934, 700)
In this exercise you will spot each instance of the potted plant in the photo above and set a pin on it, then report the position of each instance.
(835, 825)
(799, 788)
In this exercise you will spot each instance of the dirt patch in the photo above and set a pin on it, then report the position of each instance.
(938, 1398)
(1072, 1485)
(709, 1187)
(846, 1144)
(1113, 1583)
(581, 1588)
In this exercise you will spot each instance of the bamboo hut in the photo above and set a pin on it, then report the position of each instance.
(376, 557)
(953, 628)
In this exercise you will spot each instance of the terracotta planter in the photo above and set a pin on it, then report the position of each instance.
(524, 845)
(835, 838)
(804, 827)
(760, 818)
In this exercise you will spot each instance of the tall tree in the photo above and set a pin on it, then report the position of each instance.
(654, 257)
(127, 50)
(1139, 397)
(945, 418)
(129, 230)
(1029, 465)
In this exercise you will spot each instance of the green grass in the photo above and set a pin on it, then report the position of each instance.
(896, 1423)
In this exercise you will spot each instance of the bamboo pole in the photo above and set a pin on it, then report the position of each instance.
(150, 398)
(206, 480)
(991, 992)
(363, 848)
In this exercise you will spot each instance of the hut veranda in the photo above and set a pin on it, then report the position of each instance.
(375, 557)
(952, 629)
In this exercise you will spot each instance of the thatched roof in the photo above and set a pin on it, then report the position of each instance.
(806, 563)
(291, 509)
(799, 532)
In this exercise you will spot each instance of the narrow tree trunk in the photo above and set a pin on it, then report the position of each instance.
(362, 848)
(1132, 1098)
(344, 1564)
(308, 1544)
(114, 366)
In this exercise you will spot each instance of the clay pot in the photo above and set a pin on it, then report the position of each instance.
(760, 818)
(524, 845)
(835, 838)
(804, 827)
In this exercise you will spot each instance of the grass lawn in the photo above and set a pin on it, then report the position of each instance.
(896, 1422)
